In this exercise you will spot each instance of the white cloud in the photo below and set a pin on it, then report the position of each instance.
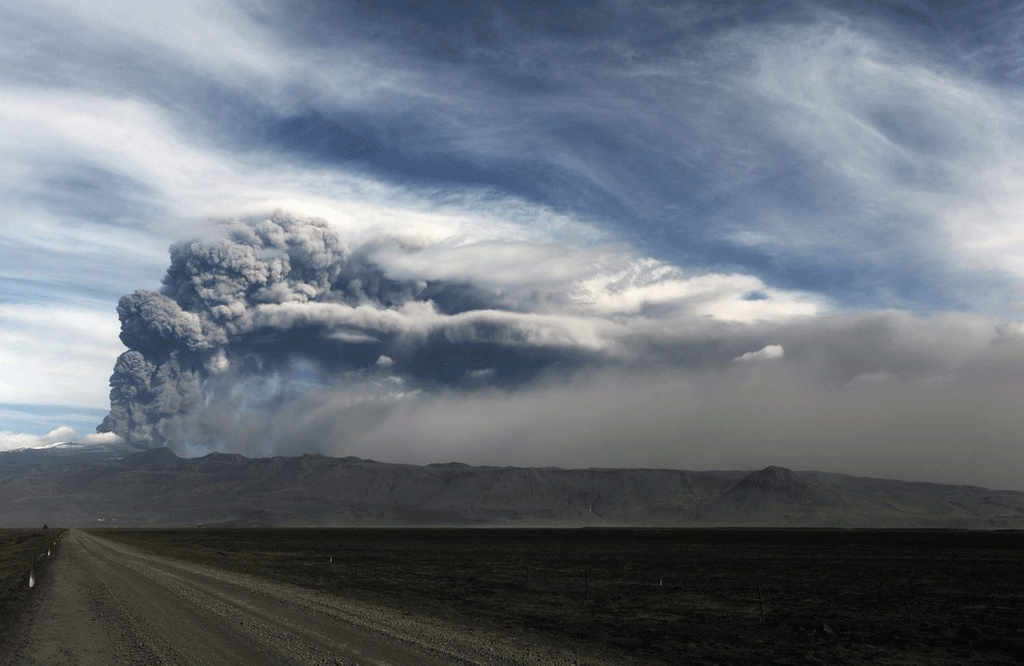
(215, 36)
(766, 353)
(645, 284)
(99, 438)
(10, 441)
(920, 158)
(56, 355)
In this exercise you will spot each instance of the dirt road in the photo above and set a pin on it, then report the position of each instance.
(106, 603)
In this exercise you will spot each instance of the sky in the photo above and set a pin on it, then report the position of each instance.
(641, 234)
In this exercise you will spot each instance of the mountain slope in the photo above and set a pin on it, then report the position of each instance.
(158, 487)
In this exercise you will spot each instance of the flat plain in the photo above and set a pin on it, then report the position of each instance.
(650, 596)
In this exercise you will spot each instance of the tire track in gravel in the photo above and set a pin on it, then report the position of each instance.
(108, 603)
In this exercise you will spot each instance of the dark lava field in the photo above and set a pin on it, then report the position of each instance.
(666, 596)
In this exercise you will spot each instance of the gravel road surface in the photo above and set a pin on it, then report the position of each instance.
(106, 603)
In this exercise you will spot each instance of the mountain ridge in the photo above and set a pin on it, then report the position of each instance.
(157, 487)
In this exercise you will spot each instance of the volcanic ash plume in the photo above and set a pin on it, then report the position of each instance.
(272, 310)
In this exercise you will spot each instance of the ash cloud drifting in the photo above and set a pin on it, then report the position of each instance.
(273, 309)
(268, 320)
(272, 336)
